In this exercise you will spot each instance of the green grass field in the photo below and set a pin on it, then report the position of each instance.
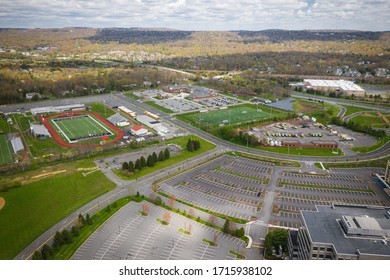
(101, 109)
(374, 119)
(34, 207)
(79, 128)
(354, 109)
(6, 153)
(232, 115)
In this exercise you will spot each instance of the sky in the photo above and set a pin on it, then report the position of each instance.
(370, 15)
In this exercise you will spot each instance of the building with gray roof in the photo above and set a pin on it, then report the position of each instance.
(39, 130)
(17, 144)
(118, 120)
(344, 232)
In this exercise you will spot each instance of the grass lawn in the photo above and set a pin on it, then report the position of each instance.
(34, 207)
(303, 106)
(367, 163)
(182, 156)
(5, 127)
(6, 151)
(353, 109)
(40, 147)
(161, 108)
(303, 151)
(101, 109)
(374, 119)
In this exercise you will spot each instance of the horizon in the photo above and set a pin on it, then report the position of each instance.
(199, 15)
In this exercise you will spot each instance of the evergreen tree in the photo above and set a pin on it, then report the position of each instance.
(66, 236)
(138, 165)
(37, 256)
(57, 241)
(161, 156)
(125, 166)
(131, 166)
(150, 161)
(143, 161)
(226, 227)
(47, 252)
(167, 154)
(75, 231)
(190, 145)
(155, 158)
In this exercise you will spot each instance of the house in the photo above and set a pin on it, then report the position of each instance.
(139, 130)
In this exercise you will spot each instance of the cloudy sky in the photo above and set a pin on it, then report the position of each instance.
(199, 14)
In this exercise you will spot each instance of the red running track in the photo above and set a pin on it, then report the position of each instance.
(62, 142)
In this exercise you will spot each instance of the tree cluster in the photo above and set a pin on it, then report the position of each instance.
(62, 238)
(274, 241)
(229, 228)
(193, 145)
(150, 161)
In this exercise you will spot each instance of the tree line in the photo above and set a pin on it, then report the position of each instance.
(150, 161)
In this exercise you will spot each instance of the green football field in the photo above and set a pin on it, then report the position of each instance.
(75, 128)
(228, 116)
(6, 154)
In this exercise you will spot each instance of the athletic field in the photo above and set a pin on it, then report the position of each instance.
(6, 154)
(228, 116)
(80, 127)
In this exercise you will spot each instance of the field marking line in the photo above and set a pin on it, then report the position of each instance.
(106, 129)
(63, 133)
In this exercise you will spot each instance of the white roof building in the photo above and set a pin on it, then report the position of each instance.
(348, 87)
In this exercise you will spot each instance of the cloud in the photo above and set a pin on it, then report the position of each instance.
(198, 14)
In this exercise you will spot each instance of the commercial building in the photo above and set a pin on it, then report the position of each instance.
(118, 120)
(139, 130)
(58, 109)
(342, 232)
(39, 131)
(347, 87)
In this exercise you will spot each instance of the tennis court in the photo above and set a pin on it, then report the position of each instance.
(229, 116)
(6, 154)
(80, 127)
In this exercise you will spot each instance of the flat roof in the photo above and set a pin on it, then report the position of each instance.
(117, 118)
(324, 226)
(342, 84)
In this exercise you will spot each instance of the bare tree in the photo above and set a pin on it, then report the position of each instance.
(146, 208)
(189, 228)
(191, 212)
(171, 201)
(215, 239)
(167, 217)
(212, 219)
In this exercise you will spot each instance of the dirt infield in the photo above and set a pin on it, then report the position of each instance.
(2, 202)
(61, 141)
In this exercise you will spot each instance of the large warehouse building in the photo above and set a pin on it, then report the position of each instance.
(347, 87)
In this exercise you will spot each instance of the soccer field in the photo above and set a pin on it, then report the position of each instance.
(6, 154)
(81, 127)
(228, 116)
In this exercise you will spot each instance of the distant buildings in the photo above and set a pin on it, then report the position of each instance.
(347, 87)
(342, 232)
(118, 120)
(58, 109)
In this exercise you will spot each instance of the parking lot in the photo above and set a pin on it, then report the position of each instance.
(230, 185)
(297, 191)
(179, 105)
(130, 235)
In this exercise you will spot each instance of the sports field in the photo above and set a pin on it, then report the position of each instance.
(228, 116)
(81, 127)
(6, 154)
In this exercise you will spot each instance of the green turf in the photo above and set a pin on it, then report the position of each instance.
(6, 153)
(33, 208)
(303, 151)
(228, 116)
(77, 127)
